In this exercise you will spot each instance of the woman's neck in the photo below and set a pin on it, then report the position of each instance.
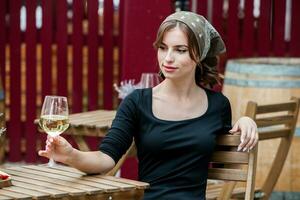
(177, 89)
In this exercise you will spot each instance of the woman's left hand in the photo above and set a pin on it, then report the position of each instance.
(249, 135)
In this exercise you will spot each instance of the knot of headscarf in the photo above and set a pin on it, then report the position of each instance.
(209, 40)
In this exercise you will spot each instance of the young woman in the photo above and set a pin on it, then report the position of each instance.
(174, 124)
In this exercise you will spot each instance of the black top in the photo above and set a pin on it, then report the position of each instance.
(173, 155)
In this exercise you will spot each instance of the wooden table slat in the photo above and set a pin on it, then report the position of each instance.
(2, 197)
(38, 185)
(70, 181)
(88, 178)
(138, 184)
(69, 169)
(75, 185)
(30, 192)
(14, 195)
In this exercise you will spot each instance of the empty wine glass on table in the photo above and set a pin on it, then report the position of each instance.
(54, 117)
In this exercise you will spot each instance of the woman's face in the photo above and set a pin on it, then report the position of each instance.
(173, 55)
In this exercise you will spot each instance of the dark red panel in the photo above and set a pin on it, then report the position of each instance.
(264, 28)
(279, 45)
(61, 40)
(248, 30)
(108, 54)
(141, 22)
(295, 29)
(233, 29)
(217, 18)
(121, 35)
(93, 65)
(2, 40)
(14, 127)
(77, 43)
(202, 7)
(30, 40)
(46, 41)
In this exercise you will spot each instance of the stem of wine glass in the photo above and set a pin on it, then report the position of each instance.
(51, 162)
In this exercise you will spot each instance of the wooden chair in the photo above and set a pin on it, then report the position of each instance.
(230, 165)
(275, 121)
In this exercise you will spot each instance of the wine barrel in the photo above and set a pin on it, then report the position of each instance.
(2, 122)
(266, 80)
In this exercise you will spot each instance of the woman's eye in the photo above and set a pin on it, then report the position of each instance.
(162, 47)
(181, 50)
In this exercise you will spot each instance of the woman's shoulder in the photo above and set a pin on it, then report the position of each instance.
(138, 94)
(216, 95)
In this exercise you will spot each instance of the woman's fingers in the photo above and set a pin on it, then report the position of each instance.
(249, 139)
(44, 153)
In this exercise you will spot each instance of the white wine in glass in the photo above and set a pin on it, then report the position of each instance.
(54, 117)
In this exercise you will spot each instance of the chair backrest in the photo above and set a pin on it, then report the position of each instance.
(231, 165)
(275, 121)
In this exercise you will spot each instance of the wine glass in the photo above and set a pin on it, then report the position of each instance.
(149, 80)
(54, 117)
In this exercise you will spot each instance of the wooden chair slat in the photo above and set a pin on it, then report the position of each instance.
(228, 140)
(283, 132)
(271, 108)
(230, 157)
(277, 120)
(232, 166)
(227, 174)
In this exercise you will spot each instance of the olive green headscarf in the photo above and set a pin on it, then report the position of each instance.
(209, 41)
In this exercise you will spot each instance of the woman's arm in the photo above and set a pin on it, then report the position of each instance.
(90, 162)
(244, 126)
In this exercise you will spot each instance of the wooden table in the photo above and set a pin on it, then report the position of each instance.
(92, 123)
(62, 182)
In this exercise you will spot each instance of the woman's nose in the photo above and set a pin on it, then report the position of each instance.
(169, 56)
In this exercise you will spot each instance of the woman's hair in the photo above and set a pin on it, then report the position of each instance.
(206, 70)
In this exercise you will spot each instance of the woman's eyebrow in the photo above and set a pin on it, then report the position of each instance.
(177, 46)
(182, 45)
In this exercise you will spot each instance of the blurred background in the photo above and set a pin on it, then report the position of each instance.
(80, 48)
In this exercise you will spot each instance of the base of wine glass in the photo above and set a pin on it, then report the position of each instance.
(52, 163)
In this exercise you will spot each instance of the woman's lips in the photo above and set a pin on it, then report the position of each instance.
(169, 68)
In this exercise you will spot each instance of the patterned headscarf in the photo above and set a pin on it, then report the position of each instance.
(209, 41)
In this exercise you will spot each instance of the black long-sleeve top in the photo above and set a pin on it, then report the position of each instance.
(173, 155)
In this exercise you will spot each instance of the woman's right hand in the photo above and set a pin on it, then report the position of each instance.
(57, 148)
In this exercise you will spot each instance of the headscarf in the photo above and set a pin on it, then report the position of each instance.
(209, 40)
